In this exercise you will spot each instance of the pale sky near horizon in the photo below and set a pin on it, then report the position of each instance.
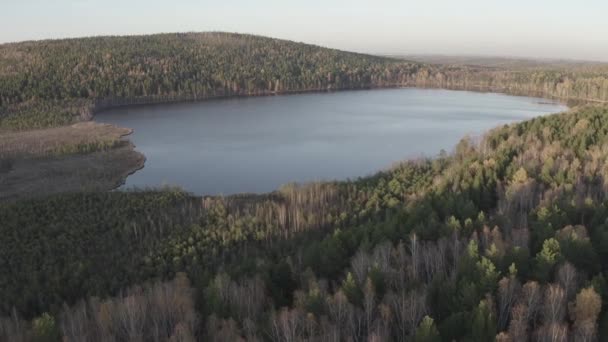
(531, 28)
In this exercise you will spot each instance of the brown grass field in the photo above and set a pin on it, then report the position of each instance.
(60, 140)
(86, 156)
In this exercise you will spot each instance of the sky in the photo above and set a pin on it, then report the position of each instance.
(562, 29)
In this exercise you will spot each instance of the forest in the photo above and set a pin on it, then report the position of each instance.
(57, 82)
(503, 239)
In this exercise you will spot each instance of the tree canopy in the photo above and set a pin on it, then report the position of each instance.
(505, 239)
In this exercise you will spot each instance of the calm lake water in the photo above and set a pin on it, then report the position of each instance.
(256, 144)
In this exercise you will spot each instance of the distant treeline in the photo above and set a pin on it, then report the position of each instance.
(50, 83)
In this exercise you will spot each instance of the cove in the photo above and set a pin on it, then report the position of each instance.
(256, 144)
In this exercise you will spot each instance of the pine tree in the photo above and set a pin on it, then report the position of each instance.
(483, 326)
(427, 331)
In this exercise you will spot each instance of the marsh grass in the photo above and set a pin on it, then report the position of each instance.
(85, 137)
(86, 156)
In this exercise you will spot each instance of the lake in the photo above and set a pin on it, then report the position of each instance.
(256, 144)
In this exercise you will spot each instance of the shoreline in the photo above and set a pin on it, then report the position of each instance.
(538, 100)
(141, 163)
(136, 160)
(86, 156)
(476, 88)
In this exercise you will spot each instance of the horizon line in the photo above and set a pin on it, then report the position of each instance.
(378, 54)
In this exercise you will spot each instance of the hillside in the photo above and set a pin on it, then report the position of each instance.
(108, 71)
(58, 82)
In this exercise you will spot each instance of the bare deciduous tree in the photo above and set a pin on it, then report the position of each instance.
(408, 309)
(553, 332)
(508, 289)
(518, 327)
(585, 312)
(369, 303)
(567, 278)
(531, 298)
(414, 252)
(554, 306)
(13, 328)
(247, 299)
(155, 312)
(503, 337)
(360, 264)
(219, 330)
(286, 325)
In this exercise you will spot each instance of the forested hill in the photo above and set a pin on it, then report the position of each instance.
(56, 82)
(167, 67)
(189, 64)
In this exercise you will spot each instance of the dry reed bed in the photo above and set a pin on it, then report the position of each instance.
(80, 137)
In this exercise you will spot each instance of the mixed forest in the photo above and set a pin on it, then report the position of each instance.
(57, 82)
(505, 238)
